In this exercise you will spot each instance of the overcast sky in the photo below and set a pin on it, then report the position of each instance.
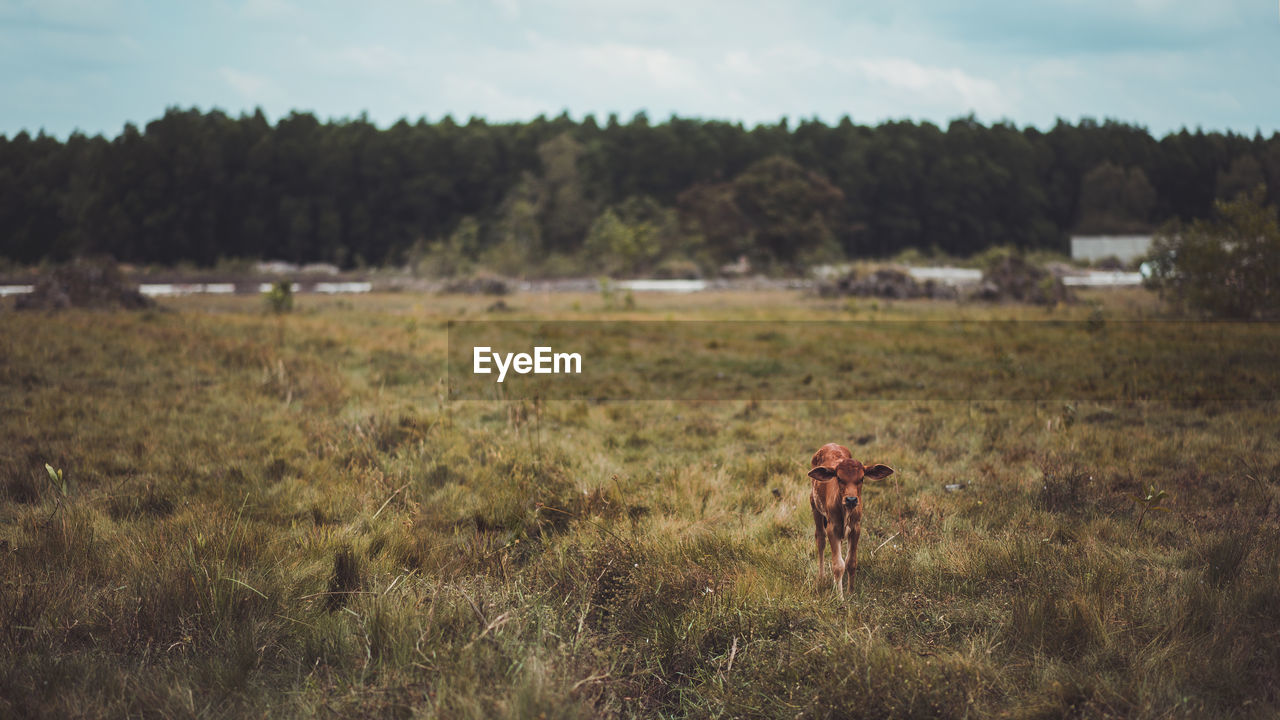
(94, 65)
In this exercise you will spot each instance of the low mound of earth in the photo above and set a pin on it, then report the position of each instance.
(889, 283)
(1013, 279)
(93, 284)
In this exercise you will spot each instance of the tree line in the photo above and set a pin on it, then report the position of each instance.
(559, 196)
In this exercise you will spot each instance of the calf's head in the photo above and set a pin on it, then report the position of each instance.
(849, 475)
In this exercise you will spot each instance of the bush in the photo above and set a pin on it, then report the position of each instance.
(451, 257)
(629, 238)
(887, 283)
(95, 283)
(1223, 267)
(482, 283)
(279, 298)
(1009, 275)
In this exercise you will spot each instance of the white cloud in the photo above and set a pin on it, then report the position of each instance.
(1055, 70)
(84, 14)
(796, 58)
(371, 58)
(1161, 62)
(1182, 11)
(934, 84)
(738, 62)
(509, 9)
(269, 9)
(467, 95)
(250, 86)
(657, 66)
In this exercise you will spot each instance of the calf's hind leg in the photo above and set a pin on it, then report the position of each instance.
(819, 538)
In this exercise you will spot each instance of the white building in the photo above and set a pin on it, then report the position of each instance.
(1126, 248)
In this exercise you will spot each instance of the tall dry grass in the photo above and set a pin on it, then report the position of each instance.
(285, 517)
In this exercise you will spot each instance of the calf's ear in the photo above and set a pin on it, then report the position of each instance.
(879, 472)
(821, 473)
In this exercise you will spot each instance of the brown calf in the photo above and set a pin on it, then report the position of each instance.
(836, 500)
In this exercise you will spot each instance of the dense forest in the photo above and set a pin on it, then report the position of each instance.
(559, 196)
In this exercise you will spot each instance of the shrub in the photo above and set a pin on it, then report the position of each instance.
(1223, 267)
(482, 283)
(1011, 275)
(94, 283)
(280, 297)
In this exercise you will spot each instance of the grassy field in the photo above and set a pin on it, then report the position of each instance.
(285, 516)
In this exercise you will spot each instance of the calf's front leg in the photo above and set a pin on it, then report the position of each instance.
(837, 564)
(851, 564)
